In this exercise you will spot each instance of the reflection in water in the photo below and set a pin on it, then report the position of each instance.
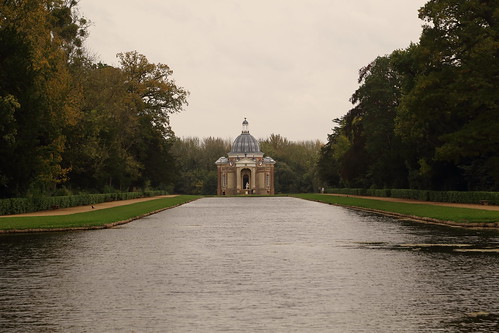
(252, 264)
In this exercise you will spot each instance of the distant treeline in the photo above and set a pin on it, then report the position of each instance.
(295, 168)
(425, 117)
(69, 124)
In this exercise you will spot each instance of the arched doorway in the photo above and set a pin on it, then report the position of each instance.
(246, 179)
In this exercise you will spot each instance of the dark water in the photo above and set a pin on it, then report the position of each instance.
(252, 265)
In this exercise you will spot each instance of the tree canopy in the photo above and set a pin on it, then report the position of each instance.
(426, 117)
(67, 121)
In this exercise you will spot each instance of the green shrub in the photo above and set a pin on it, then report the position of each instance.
(465, 197)
(20, 205)
(421, 195)
(5, 205)
(378, 192)
(348, 191)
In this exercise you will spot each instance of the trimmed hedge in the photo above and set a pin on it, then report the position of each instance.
(472, 197)
(361, 191)
(35, 204)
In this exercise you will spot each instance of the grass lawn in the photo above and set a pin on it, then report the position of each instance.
(94, 218)
(443, 213)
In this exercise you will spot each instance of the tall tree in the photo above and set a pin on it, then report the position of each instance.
(375, 104)
(451, 108)
(154, 95)
(125, 137)
(328, 164)
(363, 149)
(36, 97)
(99, 149)
(152, 90)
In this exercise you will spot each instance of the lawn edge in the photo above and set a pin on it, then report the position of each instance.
(420, 219)
(91, 227)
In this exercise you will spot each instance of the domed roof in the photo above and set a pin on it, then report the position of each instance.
(245, 143)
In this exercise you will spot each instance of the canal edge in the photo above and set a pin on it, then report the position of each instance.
(419, 219)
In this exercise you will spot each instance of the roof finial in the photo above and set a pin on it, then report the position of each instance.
(245, 126)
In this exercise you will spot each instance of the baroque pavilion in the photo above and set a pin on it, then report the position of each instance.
(245, 171)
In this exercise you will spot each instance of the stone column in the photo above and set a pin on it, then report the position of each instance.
(238, 181)
(219, 183)
(253, 179)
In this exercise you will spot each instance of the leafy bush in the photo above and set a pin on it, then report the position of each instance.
(421, 195)
(378, 192)
(347, 191)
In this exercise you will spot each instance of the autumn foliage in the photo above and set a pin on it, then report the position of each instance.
(70, 124)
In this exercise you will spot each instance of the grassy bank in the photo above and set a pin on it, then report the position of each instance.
(97, 218)
(440, 213)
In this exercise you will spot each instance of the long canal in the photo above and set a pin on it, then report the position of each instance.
(252, 265)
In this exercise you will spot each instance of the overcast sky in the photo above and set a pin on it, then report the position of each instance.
(288, 66)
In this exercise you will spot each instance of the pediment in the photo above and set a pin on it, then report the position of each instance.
(246, 161)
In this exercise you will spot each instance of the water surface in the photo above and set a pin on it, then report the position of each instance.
(252, 265)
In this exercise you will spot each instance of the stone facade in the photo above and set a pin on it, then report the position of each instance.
(245, 171)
